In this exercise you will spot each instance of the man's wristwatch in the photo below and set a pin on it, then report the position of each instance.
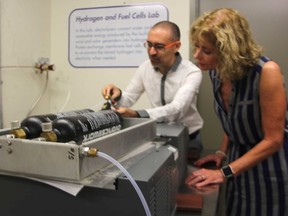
(227, 171)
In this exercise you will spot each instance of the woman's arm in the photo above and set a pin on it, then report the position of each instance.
(218, 157)
(273, 109)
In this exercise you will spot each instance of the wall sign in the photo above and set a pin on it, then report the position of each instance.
(111, 36)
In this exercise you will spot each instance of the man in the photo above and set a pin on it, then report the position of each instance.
(170, 82)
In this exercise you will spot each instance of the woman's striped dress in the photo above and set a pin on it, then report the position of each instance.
(263, 190)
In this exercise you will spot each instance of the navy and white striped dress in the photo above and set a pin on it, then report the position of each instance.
(263, 190)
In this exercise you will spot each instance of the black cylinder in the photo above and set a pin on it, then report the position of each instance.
(32, 125)
(85, 127)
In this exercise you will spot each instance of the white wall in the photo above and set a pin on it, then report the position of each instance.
(25, 36)
(85, 84)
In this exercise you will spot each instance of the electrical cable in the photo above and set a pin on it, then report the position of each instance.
(40, 97)
(66, 101)
(3, 67)
(126, 173)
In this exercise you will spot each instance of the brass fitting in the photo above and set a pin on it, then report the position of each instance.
(89, 152)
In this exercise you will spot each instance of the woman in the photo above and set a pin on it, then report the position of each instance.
(250, 101)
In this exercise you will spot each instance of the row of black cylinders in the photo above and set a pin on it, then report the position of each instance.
(73, 126)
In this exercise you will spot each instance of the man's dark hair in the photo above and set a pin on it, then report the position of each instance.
(174, 28)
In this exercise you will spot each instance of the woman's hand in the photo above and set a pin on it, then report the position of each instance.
(217, 158)
(205, 177)
(204, 190)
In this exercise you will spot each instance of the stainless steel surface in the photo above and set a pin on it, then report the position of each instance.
(155, 173)
(63, 161)
(105, 177)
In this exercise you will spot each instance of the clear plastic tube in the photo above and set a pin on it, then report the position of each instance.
(134, 184)
(40, 97)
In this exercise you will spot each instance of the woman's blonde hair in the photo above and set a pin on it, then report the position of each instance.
(230, 34)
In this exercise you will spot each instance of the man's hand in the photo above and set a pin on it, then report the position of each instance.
(111, 92)
(126, 112)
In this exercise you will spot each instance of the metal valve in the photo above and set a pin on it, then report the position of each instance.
(44, 65)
